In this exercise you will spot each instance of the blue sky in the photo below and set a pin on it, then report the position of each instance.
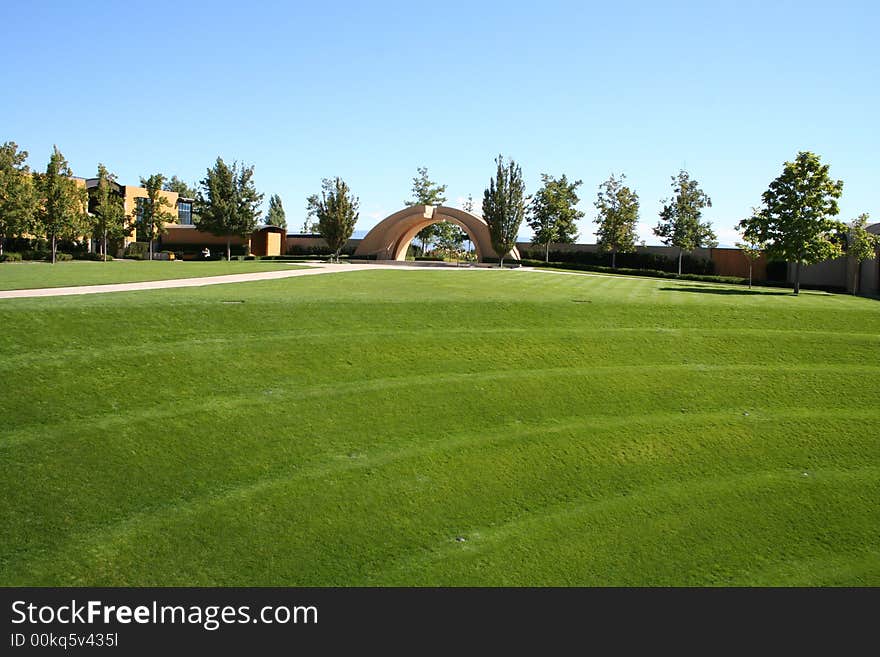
(370, 91)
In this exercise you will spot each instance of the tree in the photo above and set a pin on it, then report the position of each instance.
(175, 184)
(336, 212)
(152, 214)
(617, 217)
(18, 200)
(449, 238)
(752, 251)
(861, 245)
(108, 219)
(62, 212)
(504, 206)
(275, 216)
(426, 192)
(795, 222)
(552, 213)
(468, 206)
(228, 202)
(680, 224)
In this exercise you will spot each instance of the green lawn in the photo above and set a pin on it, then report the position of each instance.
(29, 275)
(441, 427)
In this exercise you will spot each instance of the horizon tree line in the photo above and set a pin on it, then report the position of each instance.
(795, 222)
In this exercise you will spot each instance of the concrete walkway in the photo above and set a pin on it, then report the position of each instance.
(315, 269)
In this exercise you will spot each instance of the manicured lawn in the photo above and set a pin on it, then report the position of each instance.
(441, 427)
(29, 275)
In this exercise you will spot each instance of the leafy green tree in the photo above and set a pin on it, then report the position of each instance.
(275, 216)
(426, 192)
(553, 214)
(795, 222)
(449, 238)
(108, 219)
(861, 245)
(336, 213)
(504, 206)
(680, 224)
(62, 212)
(617, 217)
(175, 184)
(18, 199)
(752, 251)
(152, 214)
(228, 202)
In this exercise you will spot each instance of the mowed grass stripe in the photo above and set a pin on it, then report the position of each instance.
(602, 453)
(32, 275)
(334, 431)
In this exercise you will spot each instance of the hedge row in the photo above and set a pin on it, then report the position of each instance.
(652, 273)
(652, 261)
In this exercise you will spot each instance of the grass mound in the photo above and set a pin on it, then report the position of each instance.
(441, 427)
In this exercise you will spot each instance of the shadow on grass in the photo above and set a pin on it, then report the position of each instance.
(726, 290)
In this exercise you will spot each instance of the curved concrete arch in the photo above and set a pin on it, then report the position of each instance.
(389, 239)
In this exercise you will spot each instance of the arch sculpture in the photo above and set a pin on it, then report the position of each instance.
(389, 239)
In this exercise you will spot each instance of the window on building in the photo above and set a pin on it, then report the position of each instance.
(141, 233)
(184, 213)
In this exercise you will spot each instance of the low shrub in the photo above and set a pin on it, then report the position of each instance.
(509, 262)
(91, 256)
(35, 254)
(59, 257)
(137, 250)
(649, 261)
(10, 256)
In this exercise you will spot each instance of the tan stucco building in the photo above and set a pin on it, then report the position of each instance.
(182, 236)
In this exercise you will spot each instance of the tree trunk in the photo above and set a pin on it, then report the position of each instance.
(151, 249)
(104, 255)
(614, 259)
(2, 239)
(501, 262)
(750, 275)
(547, 252)
(856, 277)
(679, 261)
(53, 249)
(797, 277)
(228, 250)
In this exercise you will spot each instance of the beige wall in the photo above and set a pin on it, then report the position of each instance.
(129, 204)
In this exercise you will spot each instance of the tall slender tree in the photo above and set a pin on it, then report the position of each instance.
(680, 224)
(504, 206)
(617, 216)
(228, 202)
(426, 192)
(468, 206)
(861, 245)
(18, 199)
(62, 213)
(275, 216)
(152, 212)
(336, 213)
(752, 252)
(553, 213)
(108, 219)
(796, 221)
